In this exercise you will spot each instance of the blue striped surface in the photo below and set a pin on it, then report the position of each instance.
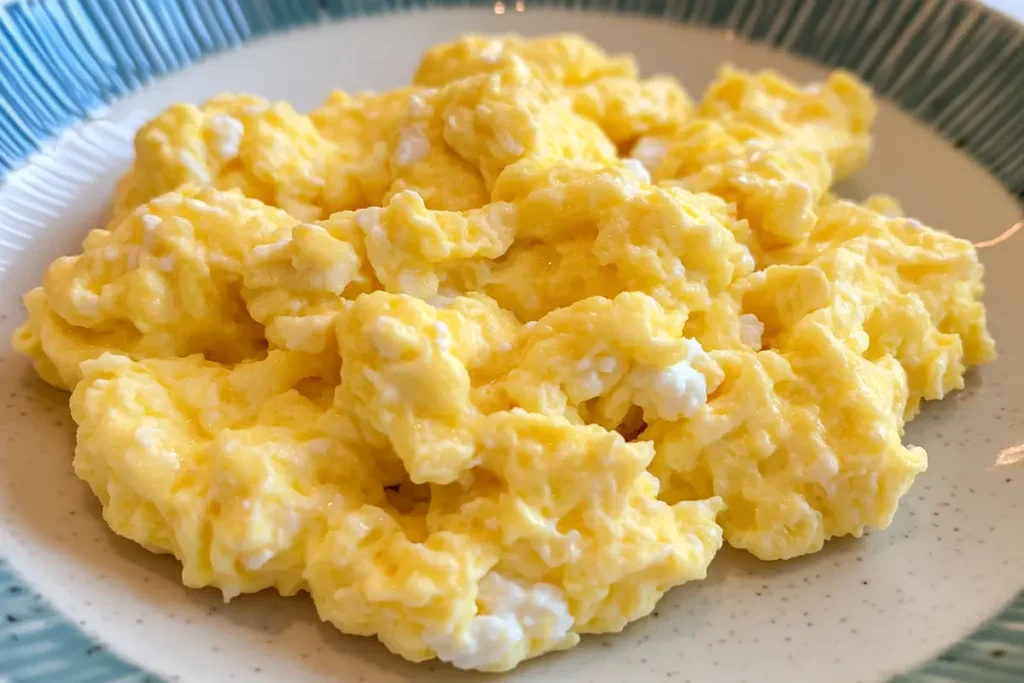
(37, 645)
(951, 63)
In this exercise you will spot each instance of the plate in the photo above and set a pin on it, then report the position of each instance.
(934, 597)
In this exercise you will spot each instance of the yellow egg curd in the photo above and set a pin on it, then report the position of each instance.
(493, 361)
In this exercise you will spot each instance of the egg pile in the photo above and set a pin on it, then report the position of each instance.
(495, 360)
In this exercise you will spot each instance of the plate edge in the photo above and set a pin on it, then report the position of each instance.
(51, 51)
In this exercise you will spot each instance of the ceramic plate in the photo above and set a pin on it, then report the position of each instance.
(934, 597)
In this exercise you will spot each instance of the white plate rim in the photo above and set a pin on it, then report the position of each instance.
(70, 59)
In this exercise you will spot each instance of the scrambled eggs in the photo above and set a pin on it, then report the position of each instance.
(493, 361)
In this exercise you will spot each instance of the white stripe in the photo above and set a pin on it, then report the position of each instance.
(16, 234)
(998, 146)
(884, 39)
(987, 131)
(100, 672)
(753, 18)
(122, 133)
(859, 9)
(78, 157)
(910, 33)
(27, 628)
(874, 21)
(984, 645)
(979, 102)
(67, 173)
(15, 200)
(35, 172)
(1009, 160)
(733, 20)
(832, 23)
(40, 669)
(33, 200)
(1015, 625)
(1006, 94)
(88, 154)
(954, 114)
(916, 69)
(952, 44)
(103, 133)
(26, 651)
(801, 18)
(11, 245)
(8, 218)
(706, 7)
(780, 21)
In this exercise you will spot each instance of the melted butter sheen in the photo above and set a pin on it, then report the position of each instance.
(387, 352)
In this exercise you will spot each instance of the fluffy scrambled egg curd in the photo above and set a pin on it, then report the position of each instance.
(493, 361)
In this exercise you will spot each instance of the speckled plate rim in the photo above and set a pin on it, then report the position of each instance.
(953, 64)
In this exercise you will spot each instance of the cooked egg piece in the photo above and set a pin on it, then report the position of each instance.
(225, 469)
(265, 149)
(602, 88)
(162, 281)
(928, 282)
(614, 232)
(451, 361)
(768, 145)
(802, 446)
(521, 555)
(244, 475)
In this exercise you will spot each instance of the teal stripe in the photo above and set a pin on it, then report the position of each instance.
(37, 645)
